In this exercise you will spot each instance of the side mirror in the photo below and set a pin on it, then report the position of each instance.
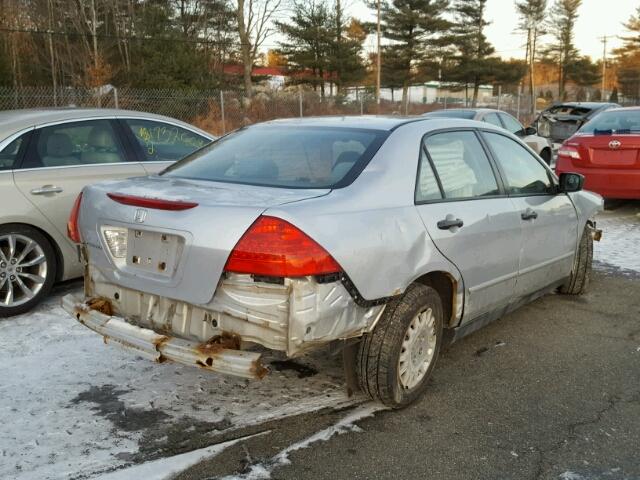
(570, 182)
(530, 131)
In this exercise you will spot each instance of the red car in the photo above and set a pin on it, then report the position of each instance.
(606, 150)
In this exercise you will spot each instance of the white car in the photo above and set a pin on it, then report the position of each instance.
(529, 135)
(46, 158)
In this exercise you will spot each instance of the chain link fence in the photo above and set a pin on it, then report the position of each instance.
(220, 112)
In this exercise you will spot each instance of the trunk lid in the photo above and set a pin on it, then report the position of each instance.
(607, 151)
(175, 254)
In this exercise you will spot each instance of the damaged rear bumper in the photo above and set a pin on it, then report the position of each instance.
(159, 348)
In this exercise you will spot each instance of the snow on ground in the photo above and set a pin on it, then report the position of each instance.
(73, 407)
(619, 248)
(262, 471)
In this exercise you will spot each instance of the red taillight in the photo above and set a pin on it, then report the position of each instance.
(568, 151)
(154, 203)
(273, 247)
(73, 232)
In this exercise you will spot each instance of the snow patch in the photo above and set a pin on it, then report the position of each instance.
(73, 407)
(618, 247)
(262, 471)
(166, 468)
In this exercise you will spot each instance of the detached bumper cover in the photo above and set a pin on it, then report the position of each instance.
(159, 348)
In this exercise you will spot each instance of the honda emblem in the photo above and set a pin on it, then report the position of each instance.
(140, 216)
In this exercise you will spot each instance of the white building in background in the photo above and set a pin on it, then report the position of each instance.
(431, 92)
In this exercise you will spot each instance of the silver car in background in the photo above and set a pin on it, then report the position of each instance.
(46, 158)
(381, 237)
(529, 135)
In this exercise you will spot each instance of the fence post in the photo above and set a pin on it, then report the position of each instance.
(518, 105)
(224, 129)
(300, 98)
(499, 95)
(361, 105)
(115, 97)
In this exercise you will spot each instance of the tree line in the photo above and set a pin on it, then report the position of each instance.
(188, 43)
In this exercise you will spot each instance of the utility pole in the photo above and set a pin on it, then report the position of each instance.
(604, 65)
(378, 62)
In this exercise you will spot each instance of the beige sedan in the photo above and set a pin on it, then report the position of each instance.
(46, 158)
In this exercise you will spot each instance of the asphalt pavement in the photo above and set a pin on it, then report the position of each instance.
(551, 391)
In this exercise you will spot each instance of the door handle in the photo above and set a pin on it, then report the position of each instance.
(46, 189)
(450, 222)
(529, 214)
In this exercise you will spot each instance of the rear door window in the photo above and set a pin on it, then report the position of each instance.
(79, 143)
(523, 173)
(510, 123)
(461, 164)
(493, 119)
(164, 142)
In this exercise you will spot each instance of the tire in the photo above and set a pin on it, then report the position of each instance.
(26, 281)
(378, 361)
(545, 154)
(581, 273)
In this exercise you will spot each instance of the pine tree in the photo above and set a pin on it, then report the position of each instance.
(318, 40)
(413, 26)
(628, 60)
(532, 16)
(562, 20)
(474, 62)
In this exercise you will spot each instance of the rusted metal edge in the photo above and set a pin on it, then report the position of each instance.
(159, 348)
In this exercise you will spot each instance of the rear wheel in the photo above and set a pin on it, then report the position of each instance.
(581, 273)
(396, 359)
(27, 268)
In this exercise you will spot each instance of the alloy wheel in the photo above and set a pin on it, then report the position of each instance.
(23, 269)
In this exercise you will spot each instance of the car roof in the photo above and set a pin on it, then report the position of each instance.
(592, 105)
(371, 122)
(619, 109)
(475, 110)
(13, 121)
(382, 123)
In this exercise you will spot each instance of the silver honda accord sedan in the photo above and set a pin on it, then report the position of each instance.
(383, 238)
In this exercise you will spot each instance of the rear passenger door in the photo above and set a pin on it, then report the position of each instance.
(549, 220)
(159, 144)
(61, 159)
(472, 222)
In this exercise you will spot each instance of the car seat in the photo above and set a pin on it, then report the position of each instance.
(102, 147)
(58, 151)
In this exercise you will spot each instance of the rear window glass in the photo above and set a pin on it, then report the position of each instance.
(297, 157)
(568, 110)
(619, 121)
(453, 114)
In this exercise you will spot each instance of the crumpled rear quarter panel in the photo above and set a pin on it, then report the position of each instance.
(296, 317)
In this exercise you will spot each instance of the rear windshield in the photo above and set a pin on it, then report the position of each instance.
(568, 110)
(283, 156)
(453, 113)
(619, 121)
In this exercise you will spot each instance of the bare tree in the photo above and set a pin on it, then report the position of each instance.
(254, 27)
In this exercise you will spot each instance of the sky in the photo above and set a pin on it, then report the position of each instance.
(597, 18)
